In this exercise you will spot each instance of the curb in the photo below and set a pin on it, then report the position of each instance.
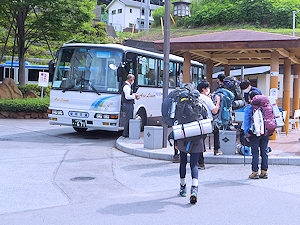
(134, 147)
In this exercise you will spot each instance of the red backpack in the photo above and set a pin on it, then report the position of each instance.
(262, 102)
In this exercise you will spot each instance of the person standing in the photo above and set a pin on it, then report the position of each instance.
(256, 143)
(247, 88)
(220, 80)
(204, 89)
(127, 99)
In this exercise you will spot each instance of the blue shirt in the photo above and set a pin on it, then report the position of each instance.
(247, 119)
(247, 94)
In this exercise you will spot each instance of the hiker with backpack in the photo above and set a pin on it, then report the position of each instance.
(189, 109)
(259, 124)
(247, 88)
(204, 89)
(183, 107)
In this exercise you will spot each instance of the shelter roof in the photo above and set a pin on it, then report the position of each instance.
(236, 47)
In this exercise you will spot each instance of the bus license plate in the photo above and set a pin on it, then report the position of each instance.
(78, 123)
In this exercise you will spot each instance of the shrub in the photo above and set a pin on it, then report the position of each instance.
(25, 105)
(36, 89)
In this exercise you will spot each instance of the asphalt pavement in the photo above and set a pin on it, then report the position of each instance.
(53, 175)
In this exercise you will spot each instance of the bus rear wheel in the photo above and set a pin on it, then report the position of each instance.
(79, 129)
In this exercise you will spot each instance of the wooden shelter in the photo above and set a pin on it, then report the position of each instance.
(242, 48)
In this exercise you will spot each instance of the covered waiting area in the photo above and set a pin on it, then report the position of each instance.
(243, 48)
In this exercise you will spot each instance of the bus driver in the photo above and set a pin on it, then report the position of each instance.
(127, 99)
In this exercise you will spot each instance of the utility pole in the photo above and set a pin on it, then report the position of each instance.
(294, 21)
(147, 14)
(140, 22)
(166, 63)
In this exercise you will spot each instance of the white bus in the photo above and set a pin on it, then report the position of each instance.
(86, 90)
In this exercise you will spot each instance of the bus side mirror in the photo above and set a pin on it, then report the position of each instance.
(51, 68)
(57, 54)
(120, 71)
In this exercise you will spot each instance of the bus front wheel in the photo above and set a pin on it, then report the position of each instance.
(79, 129)
(141, 114)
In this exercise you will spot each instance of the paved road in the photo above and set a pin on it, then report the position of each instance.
(38, 161)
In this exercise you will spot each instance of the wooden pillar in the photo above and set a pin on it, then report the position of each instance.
(187, 67)
(274, 72)
(296, 89)
(286, 91)
(227, 70)
(209, 71)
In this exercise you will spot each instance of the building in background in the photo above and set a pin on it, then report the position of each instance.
(124, 14)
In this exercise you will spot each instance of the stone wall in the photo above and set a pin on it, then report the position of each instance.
(23, 115)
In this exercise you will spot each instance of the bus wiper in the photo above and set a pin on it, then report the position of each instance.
(85, 81)
(67, 84)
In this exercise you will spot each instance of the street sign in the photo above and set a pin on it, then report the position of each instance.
(43, 79)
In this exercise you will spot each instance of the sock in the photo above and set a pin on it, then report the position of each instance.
(182, 181)
(195, 182)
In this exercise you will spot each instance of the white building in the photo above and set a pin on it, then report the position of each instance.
(125, 13)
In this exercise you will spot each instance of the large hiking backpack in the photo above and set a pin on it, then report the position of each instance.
(233, 85)
(262, 108)
(168, 109)
(188, 107)
(222, 117)
(182, 104)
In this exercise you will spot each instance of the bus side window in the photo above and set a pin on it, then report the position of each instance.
(172, 74)
(146, 71)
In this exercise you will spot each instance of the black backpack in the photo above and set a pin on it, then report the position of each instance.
(182, 104)
(188, 107)
(233, 85)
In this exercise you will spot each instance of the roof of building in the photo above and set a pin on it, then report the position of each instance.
(236, 47)
(133, 3)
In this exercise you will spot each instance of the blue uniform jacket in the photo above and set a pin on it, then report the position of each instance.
(247, 119)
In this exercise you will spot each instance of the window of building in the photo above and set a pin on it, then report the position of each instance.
(175, 12)
(130, 10)
(143, 12)
(113, 12)
(119, 11)
(130, 25)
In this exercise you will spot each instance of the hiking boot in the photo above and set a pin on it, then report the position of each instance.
(201, 166)
(182, 190)
(264, 174)
(218, 152)
(194, 192)
(254, 175)
(176, 158)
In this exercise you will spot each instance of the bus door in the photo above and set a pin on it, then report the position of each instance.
(130, 68)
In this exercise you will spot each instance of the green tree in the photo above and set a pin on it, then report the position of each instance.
(35, 21)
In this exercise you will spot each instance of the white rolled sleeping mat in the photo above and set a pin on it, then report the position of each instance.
(192, 129)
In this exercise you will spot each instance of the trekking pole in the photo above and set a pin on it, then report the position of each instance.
(244, 149)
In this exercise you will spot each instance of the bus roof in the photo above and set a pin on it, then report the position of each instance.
(130, 49)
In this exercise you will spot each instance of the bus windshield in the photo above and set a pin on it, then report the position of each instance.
(84, 69)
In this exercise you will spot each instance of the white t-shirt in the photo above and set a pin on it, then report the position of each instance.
(208, 103)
